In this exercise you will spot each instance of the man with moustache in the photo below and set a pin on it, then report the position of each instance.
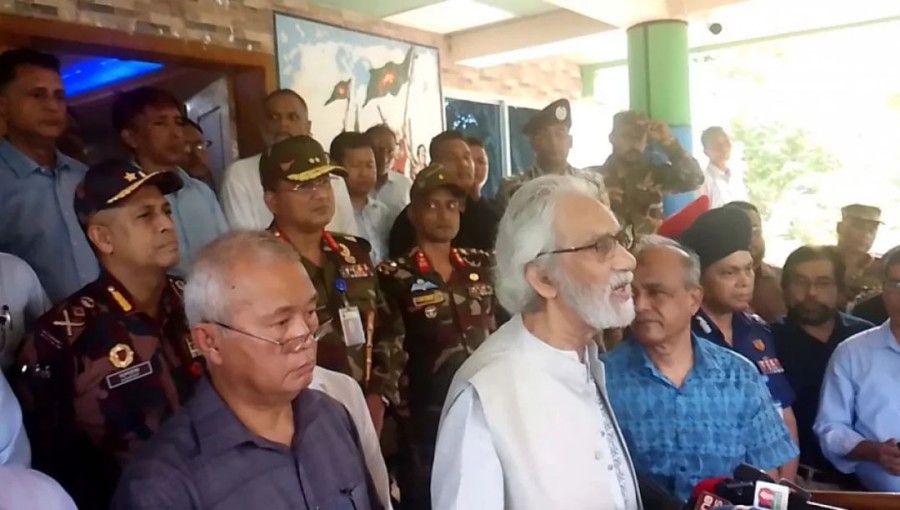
(367, 340)
(391, 188)
(805, 339)
(254, 431)
(150, 123)
(446, 299)
(670, 388)
(478, 223)
(38, 224)
(520, 425)
(241, 194)
(722, 238)
(636, 187)
(768, 300)
(106, 366)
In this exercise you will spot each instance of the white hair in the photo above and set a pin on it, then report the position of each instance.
(205, 291)
(689, 259)
(526, 231)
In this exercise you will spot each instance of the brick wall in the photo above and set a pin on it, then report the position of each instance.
(247, 24)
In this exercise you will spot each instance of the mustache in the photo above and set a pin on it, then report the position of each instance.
(620, 279)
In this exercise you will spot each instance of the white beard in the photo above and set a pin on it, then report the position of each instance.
(593, 302)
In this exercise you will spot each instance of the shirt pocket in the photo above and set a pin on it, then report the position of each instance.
(355, 498)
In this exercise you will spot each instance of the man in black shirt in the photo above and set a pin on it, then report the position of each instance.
(478, 223)
(812, 282)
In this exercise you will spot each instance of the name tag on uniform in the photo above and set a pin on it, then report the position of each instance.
(128, 375)
(769, 366)
(351, 325)
(430, 298)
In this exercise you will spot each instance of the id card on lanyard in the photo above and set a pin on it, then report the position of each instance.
(351, 319)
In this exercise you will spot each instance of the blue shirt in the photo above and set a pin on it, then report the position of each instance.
(14, 447)
(752, 338)
(860, 401)
(721, 416)
(38, 222)
(198, 219)
(204, 457)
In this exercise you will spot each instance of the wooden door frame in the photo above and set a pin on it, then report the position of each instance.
(251, 74)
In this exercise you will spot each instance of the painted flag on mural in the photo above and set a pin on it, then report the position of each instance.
(389, 78)
(341, 91)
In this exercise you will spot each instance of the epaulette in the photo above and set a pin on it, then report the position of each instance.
(756, 319)
(475, 257)
(177, 284)
(704, 324)
(63, 323)
(352, 240)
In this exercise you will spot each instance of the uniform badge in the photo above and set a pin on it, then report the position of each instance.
(474, 277)
(421, 285)
(759, 345)
(68, 323)
(345, 252)
(121, 356)
(431, 312)
(704, 325)
(480, 290)
(87, 302)
(119, 298)
(431, 298)
(560, 113)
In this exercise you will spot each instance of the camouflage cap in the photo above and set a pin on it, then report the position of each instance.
(861, 212)
(296, 159)
(557, 112)
(432, 177)
(630, 121)
(108, 183)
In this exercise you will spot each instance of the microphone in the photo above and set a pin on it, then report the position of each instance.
(704, 497)
(749, 473)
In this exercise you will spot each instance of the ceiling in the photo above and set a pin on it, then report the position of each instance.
(484, 33)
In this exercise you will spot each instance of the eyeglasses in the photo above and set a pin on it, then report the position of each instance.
(310, 186)
(199, 146)
(604, 246)
(288, 345)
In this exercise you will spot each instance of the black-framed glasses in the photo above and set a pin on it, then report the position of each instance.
(288, 345)
(604, 246)
(310, 186)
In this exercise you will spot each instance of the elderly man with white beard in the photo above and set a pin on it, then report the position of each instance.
(526, 424)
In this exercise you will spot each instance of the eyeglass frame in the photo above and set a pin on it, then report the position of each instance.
(621, 238)
(310, 185)
(316, 334)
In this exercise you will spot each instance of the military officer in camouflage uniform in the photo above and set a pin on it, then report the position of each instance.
(548, 132)
(636, 187)
(856, 233)
(367, 341)
(104, 367)
(447, 302)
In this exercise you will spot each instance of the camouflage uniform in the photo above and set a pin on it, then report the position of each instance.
(636, 190)
(445, 322)
(863, 277)
(98, 378)
(345, 279)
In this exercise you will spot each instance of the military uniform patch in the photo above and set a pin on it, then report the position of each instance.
(431, 298)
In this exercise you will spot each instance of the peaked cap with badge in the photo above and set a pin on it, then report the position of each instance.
(558, 112)
(107, 184)
(296, 159)
(432, 177)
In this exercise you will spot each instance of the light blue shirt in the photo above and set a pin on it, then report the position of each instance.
(198, 219)
(720, 416)
(38, 222)
(374, 222)
(394, 193)
(14, 447)
(27, 488)
(860, 401)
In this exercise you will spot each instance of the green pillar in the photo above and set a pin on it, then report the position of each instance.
(658, 83)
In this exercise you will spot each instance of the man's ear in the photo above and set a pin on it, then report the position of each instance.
(695, 295)
(271, 200)
(100, 236)
(129, 138)
(540, 282)
(206, 338)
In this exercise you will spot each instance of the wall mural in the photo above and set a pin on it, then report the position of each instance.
(353, 80)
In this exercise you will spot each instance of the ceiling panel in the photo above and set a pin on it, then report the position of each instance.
(522, 7)
(384, 8)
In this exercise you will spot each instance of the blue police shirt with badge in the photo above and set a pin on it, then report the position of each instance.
(752, 338)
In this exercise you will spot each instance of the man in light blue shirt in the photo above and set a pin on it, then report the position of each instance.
(37, 219)
(391, 188)
(689, 409)
(150, 123)
(14, 447)
(858, 424)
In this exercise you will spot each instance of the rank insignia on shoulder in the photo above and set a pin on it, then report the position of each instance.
(421, 285)
(704, 325)
(87, 302)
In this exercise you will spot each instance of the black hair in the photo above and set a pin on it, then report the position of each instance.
(12, 60)
(446, 136)
(189, 122)
(382, 128)
(890, 259)
(474, 142)
(809, 253)
(709, 133)
(128, 105)
(347, 140)
(285, 92)
(744, 206)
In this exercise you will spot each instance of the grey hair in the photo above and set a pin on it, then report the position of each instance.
(206, 289)
(689, 259)
(526, 230)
